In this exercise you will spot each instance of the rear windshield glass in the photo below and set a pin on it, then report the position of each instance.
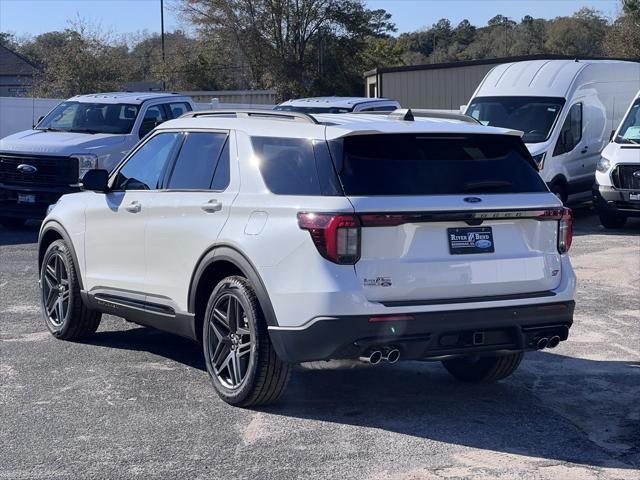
(429, 165)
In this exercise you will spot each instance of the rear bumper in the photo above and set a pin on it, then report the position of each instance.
(430, 335)
(612, 201)
(44, 196)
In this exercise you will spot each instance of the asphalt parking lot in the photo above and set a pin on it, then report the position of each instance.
(132, 402)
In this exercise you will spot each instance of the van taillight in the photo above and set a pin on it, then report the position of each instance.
(565, 231)
(336, 236)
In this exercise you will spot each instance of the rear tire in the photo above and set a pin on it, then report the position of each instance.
(476, 369)
(63, 310)
(612, 221)
(241, 361)
(9, 222)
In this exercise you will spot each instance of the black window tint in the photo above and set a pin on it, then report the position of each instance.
(179, 108)
(144, 170)
(386, 108)
(430, 165)
(287, 165)
(571, 132)
(153, 117)
(221, 176)
(197, 160)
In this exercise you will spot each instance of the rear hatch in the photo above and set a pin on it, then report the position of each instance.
(449, 218)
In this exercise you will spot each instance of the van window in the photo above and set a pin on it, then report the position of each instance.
(630, 129)
(535, 116)
(410, 164)
(571, 132)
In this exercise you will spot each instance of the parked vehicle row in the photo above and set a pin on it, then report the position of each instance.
(566, 109)
(37, 166)
(425, 238)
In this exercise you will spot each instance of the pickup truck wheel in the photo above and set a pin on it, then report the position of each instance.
(10, 222)
(612, 221)
(64, 312)
(483, 369)
(242, 363)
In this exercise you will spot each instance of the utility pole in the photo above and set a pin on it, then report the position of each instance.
(164, 87)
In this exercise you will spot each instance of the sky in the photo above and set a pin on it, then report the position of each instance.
(32, 17)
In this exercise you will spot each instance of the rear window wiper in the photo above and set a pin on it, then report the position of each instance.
(485, 185)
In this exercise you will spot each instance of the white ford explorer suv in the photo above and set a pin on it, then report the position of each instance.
(274, 238)
(88, 131)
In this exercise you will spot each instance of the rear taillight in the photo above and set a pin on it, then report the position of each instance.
(565, 231)
(336, 236)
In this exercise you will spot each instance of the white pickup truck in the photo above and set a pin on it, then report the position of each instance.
(38, 166)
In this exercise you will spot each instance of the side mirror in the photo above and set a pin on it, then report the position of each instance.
(96, 180)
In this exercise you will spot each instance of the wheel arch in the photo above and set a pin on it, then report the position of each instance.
(218, 263)
(49, 233)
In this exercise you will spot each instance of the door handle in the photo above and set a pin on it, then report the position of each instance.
(134, 207)
(212, 206)
(584, 150)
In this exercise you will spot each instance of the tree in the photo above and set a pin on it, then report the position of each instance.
(623, 38)
(581, 34)
(275, 37)
(78, 60)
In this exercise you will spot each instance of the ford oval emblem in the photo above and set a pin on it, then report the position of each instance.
(636, 174)
(26, 168)
(472, 199)
(483, 243)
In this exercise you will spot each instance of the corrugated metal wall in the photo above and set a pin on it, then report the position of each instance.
(445, 88)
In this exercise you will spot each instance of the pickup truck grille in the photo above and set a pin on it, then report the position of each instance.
(49, 170)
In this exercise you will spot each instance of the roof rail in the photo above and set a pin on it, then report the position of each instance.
(409, 115)
(272, 114)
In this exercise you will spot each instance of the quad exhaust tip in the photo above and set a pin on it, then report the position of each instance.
(553, 341)
(543, 343)
(375, 357)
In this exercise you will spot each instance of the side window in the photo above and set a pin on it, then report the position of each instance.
(571, 132)
(144, 170)
(153, 117)
(287, 165)
(179, 108)
(197, 161)
(385, 108)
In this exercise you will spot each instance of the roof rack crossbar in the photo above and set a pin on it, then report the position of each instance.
(247, 113)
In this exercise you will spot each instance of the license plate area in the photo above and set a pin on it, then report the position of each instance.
(467, 240)
(26, 198)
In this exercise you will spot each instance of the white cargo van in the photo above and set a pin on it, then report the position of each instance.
(567, 110)
(616, 193)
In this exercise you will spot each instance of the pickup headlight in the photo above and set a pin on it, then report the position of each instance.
(539, 159)
(603, 164)
(86, 162)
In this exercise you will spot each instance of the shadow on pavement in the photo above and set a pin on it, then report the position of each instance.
(20, 235)
(541, 411)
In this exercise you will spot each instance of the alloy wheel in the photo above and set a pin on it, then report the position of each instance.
(56, 292)
(230, 341)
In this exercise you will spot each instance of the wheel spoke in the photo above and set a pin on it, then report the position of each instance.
(217, 354)
(243, 349)
(59, 309)
(51, 303)
(236, 368)
(232, 314)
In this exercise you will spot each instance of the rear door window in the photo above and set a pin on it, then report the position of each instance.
(408, 164)
(197, 161)
(178, 108)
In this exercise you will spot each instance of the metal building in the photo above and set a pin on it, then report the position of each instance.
(441, 85)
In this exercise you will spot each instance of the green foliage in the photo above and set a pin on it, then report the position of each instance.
(302, 47)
